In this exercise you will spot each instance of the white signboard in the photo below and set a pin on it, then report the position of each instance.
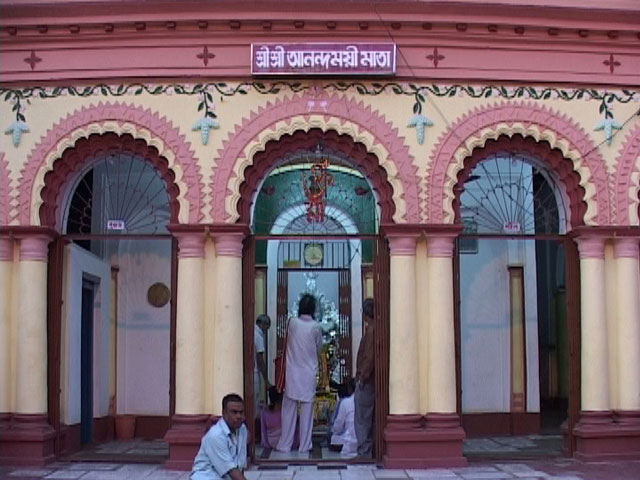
(115, 224)
(511, 227)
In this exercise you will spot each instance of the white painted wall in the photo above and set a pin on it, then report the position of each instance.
(485, 325)
(143, 354)
(79, 264)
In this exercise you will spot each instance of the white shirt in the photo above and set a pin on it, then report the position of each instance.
(258, 346)
(304, 342)
(344, 430)
(220, 452)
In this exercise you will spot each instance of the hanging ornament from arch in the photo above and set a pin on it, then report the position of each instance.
(316, 187)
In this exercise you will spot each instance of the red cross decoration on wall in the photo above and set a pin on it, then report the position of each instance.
(612, 63)
(205, 56)
(435, 57)
(32, 60)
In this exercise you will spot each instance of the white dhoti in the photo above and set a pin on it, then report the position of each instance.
(289, 417)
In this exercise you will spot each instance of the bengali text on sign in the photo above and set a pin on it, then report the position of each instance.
(323, 58)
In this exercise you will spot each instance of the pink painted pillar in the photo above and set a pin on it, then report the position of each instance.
(404, 396)
(410, 442)
(403, 328)
(189, 422)
(228, 330)
(594, 429)
(442, 420)
(29, 441)
(628, 354)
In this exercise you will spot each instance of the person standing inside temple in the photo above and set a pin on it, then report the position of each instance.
(364, 397)
(260, 375)
(304, 342)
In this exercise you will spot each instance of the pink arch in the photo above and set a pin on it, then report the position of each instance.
(5, 190)
(629, 153)
(519, 112)
(329, 106)
(120, 112)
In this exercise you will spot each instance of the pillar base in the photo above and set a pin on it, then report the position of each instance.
(26, 440)
(412, 442)
(601, 436)
(184, 437)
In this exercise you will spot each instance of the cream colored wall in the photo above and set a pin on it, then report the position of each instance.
(181, 111)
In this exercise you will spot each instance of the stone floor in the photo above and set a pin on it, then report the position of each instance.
(494, 448)
(524, 458)
(547, 469)
(527, 446)
(131, 451)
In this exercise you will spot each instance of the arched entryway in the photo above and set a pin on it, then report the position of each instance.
(315, 201)
(112, 281)
(516, 303)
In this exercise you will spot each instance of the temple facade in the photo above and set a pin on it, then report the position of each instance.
(169, 172)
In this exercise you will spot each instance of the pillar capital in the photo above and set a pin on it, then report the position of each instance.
(228, 237)
(591, 246)
(403, 244)
(35, 247)
(191, 239)
(440, 246)
(228, 244)
(190, 244)
(402, 238)
(627, 247)
(6, 249)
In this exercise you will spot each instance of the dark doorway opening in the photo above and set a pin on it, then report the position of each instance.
(86, 363)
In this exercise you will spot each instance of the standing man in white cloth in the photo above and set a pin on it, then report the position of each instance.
(304, 342)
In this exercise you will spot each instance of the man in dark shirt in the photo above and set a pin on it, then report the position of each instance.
(365, 384)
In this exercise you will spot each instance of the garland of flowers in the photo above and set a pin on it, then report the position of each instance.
(368, 89)
(418, 92)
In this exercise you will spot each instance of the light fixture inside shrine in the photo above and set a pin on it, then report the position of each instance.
(316, 185)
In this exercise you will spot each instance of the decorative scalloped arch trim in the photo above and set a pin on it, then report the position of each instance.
(526, 119)
(627, 184)
(302, 112)
(118, 118)
(6, 192)
(305, 124)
